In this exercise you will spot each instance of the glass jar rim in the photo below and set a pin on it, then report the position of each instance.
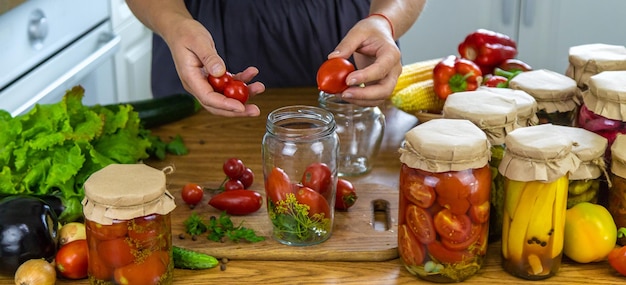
(301, 122)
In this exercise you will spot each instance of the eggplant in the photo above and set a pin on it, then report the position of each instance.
(28, 229)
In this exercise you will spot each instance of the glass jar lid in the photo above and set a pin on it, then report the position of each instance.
(590, 59)
(526, 104)
(589, 147)
(606, 95)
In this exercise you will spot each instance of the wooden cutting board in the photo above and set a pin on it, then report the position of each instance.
(354, 237)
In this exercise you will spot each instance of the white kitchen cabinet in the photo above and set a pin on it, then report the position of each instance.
(544, 30)
(133, 61)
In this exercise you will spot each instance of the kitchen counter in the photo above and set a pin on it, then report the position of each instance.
(213, 139)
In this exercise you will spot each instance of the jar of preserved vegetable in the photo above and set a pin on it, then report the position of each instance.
(496, 116)
(526, 105)
(590, 59)
(617, 189)
(443, 218)
(360, 131)
(556, 95)
(300, 150)
(535, 166)
(604, 106)
(127, 220)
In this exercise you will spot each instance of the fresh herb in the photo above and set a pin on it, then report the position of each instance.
(218, 228)
(292, 221)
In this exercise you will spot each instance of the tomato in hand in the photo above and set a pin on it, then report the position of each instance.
(237, 202)
(277, 185)
(233, 167)
(192, 194)
(149, 271)
(71, 259)
(346, 195)
(317, 203)
(332, 75)
(421, 223)
(237, 90)
(219, 83)
(451, 226)
(318, 177)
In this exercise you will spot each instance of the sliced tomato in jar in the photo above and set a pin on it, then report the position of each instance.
(421, 224)
(411, 250)
(471, 239)
(150, 271)
(480, 213)
(454, 184)
(444, 255)
(453, 227)
(457, 206)
(418, 193)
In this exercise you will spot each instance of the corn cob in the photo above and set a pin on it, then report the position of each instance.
(419, 96)
(415, 72)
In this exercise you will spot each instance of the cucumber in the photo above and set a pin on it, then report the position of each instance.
(160, 111)
(189, 259)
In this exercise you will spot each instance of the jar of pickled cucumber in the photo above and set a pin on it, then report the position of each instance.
(590, 59)
(496, 116)
(556, 95)
(128, 228)
(535, 166)
(617, 189)
(443, 215)
(526, 105)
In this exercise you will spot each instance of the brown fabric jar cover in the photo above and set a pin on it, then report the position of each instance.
(538, 153)
(618, 156)
(589, 147)
(124, 192)
(442, 145)
(526, 104)
(590, 59)
(606, 95)
(553, 91)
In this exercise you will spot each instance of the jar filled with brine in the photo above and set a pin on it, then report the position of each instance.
(299, 151)
(128, 228)
(496, 116)
(443, 216)
(590, 59)
(617, 190)
(535, 166)
(556, 95)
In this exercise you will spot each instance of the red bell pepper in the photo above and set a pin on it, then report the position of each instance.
(455, 74)
(487, 48)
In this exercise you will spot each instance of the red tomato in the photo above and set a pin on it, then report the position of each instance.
(277, 185)
(332, 74)
(411, 250)
(481, 187)
(480, 213)
(246, 178)
(444, 255)
(233, 168)
(218, 83)
(97, 268)
(471, 239)
(317, 203)
(237, 90)
(233, 184)
(192, 194)
(457, 206)
(318, 177)
(106, 232)
(421, 223)
(454, 184)
(451, 226)
(237, 202)
(617, 259)
(146, 232)
(418, 193)
(116, 252)
(346, 195)
(147, 272)
(71, 259)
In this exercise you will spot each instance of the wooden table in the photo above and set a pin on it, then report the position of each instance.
(212, 140)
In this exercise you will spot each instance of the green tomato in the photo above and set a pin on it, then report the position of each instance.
(590, 233)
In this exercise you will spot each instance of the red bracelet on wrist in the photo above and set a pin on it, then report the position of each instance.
(393, 35)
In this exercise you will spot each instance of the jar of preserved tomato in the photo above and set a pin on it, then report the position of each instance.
(443, 215)
(556, 95)
(360, 130)
(526, 105)
(590, 59)
(604, 106)
(300, 149)
(617, 189)
(495, 115)
(127, 220)
(535, 166)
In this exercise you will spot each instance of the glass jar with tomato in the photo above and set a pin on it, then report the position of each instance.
(535, 201)
(300, 149)
(360, 131)
(128, 227)
(443, 215)
(617, 189)
(555, 93)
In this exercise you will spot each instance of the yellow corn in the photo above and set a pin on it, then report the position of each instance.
(419, 96)
(415, 72)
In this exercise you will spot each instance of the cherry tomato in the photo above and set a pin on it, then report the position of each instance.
(149, 271)
(237, 202)
(332, 74)
(246, 178)
(97, 267)
(411, 250)
(457, 206)
(451, 226)
(192, 194)
(277, 185)
(146, 232)
(237, 90)
(218, 83)
(71, 259)
(116, 252)
(233, 184)
(454, 184)
(421, 224)
(417, 192)
(480, 213)
(106, 232)
(481, 186)
(471, 239)
(233, 167)
(346, 195)
(444, 255)
(317, 203)
(318, 177)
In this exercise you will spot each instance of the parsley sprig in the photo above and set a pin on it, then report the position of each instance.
(218, 228)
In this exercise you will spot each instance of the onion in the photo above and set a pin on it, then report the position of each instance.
(71, 232)
(35, 272)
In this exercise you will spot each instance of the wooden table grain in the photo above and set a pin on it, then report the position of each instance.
(213, 139)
